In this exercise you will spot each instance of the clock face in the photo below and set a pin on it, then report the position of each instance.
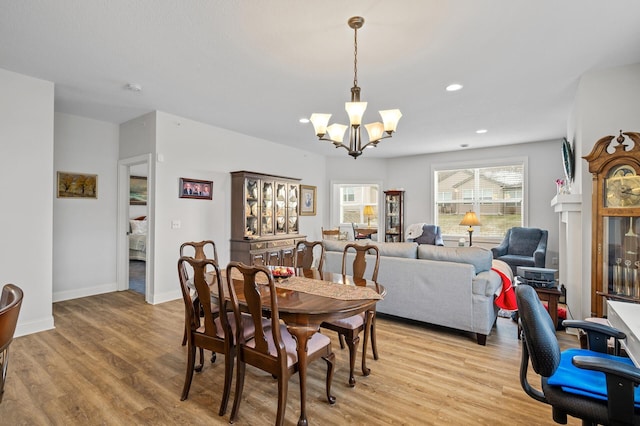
(622, 187)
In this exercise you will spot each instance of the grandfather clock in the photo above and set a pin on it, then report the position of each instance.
(615, 261)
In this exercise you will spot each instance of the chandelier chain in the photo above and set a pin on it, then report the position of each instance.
(355, 57)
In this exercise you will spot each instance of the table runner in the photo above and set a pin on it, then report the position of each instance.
(319, 288)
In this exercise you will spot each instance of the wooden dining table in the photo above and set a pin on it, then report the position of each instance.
(303, 310)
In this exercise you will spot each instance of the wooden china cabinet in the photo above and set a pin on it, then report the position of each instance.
(615, 261)
(264, 218)
(394, 216)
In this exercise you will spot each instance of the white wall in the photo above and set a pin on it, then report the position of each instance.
(26, 189)
(195, 150)
(84, 238)
(607, 102)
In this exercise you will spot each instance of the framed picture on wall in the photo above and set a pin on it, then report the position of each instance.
(307, 200)
(196, 188)
(77, 185)
(138, 190)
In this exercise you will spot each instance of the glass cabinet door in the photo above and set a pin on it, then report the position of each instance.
(251, 207)
(620, 259)
(281, 208)
(394, 228)
(267, 209)
(292, 213)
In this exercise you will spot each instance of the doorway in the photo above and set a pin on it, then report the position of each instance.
(135, 219)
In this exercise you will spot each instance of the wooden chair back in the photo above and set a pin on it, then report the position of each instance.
(10, 304)
(258, 355)
(359, 265)
(199, 269)
(199, 250)
(330, 234)
(308, 254)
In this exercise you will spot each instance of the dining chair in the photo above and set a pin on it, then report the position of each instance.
(10, 304)
(330, 234)
(358, 235)
(209, 331)
(589, 384)
(273, 349)
(309, 254)
(349, 328)
(198, 250)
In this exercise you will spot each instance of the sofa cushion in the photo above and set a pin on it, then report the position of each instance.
(478, 257)
(338, 245)
(406, 250)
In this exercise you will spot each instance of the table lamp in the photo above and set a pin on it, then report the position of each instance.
(368, 211)
(470, 219)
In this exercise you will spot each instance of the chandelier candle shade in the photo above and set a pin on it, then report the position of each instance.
(355, 109)
(470, 219)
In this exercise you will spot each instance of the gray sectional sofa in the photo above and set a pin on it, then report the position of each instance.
(448, 286)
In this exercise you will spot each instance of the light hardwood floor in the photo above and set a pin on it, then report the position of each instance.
(114, 360)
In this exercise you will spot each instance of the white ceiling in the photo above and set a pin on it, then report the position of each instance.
(257, 66)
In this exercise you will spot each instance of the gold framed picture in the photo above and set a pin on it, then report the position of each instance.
(77, 185)
(307, 200)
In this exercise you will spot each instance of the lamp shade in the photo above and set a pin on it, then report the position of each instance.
(336, 132)
(320, 122)
(355, 110)
(368, 211)
(390, 117)
(470, 219)
(375, 131)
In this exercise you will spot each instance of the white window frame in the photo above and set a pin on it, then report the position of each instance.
(507, 161)
(334, 196)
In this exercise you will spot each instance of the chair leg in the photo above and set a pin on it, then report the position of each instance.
(239, 387)
(228, 375)
(341, 339)
(4, 357)
(374, 345)
(367, 331)
(191, 360)
(352, 343)
(283, 388)
(198, 367)
(330, 359)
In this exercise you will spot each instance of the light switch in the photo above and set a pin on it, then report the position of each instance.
(175, 224)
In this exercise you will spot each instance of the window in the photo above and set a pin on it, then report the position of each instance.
(352, 198)
(494, 193)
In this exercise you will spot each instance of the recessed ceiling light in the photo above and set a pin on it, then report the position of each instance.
(304, 120)
(454, 87)
(481, 131)
(464, 145)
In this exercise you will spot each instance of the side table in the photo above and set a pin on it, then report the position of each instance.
(551, 296)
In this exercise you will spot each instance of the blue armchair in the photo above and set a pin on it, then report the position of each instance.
(523, 247)
(431, 234)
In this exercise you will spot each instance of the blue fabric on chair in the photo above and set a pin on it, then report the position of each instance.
(431, 234)
(523, 247)
(585, 382)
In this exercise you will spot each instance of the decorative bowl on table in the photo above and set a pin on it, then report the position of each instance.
(282, 271)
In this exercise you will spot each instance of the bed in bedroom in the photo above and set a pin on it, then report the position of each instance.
(138, 238)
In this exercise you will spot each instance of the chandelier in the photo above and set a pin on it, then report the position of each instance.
(377, 131)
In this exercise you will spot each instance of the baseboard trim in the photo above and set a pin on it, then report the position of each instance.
(59, 296)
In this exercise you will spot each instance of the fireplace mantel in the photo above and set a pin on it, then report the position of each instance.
(569, 207)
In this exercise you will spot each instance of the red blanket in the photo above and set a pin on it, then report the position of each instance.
(507, 297)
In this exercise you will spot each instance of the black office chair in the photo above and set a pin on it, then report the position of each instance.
(573, 382)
